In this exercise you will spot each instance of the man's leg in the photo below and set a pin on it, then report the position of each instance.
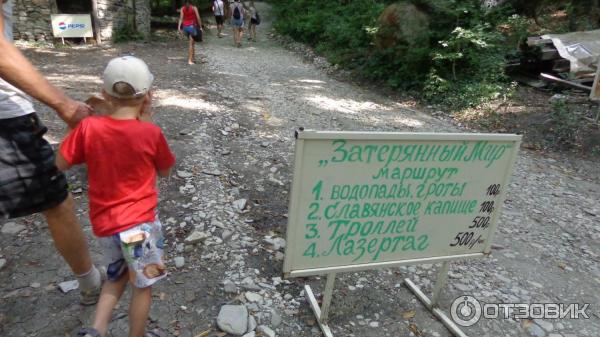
(68, 236)
(70, 241)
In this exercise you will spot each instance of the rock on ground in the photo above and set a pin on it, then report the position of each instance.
(233, 319)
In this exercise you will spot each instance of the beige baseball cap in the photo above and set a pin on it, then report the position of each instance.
(130, 70)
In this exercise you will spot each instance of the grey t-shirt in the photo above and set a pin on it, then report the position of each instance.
(13, 102)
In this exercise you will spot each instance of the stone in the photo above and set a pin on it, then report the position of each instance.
(35, 285)
(226, 234)
(250, 334)
(544, 324)
(535, 331)
(463, 287)
(2, 263)
(195, 237)
(215, 173)
(240, 204)
(183, 174)
(233, 319)
(253, 297)
(265, 331)
(67, 286)
(279, 256)
(251, 323)
(275, 319)
(229, 286)
(374, 324)
(179, 261)
(12, 228)
(249, 284)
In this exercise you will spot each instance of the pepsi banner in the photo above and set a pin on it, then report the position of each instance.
(72, 25)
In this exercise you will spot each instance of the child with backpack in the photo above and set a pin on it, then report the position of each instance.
(124, 151)
(237, 21)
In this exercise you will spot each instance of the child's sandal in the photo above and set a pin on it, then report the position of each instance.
(89, 332)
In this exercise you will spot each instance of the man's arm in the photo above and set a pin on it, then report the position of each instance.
(16, 70)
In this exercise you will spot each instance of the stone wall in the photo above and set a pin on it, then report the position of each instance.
(31, 18)
(114, 14)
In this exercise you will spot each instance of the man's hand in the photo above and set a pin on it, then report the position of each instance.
(72, 112)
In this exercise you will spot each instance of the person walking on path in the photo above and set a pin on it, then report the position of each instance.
(191, 25)
(124, 151)
(29, 181)
(237, 21)
(254, 21)
(219, 12)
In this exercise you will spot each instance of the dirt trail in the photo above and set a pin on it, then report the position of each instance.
(231, 121)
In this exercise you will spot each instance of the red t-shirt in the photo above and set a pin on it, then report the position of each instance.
(122, 157)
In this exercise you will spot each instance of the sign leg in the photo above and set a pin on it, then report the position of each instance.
(322, 313)
(432, 305)
(327, 297)
(439, 284)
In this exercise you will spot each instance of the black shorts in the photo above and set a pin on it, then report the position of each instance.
(219, 19)
(29, 180)
(253, 21)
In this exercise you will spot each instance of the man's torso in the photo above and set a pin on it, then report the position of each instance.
(13, 102)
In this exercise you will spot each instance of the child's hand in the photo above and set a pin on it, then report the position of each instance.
(99, 104)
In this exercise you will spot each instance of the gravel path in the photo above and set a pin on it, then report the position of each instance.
(231, 121)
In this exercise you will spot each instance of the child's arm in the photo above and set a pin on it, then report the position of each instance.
(61, 163)
(164, 159)
(164, 173)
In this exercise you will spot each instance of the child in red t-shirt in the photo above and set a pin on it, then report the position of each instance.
(123, 151)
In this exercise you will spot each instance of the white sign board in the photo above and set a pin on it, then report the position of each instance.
(72, 25)
(364, 200)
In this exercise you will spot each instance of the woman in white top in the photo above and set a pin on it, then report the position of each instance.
(219, 11)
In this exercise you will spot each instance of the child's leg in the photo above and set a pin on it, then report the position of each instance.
(109, 297)
(138, 310)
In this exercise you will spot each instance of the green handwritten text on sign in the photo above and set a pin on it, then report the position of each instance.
(366, 198)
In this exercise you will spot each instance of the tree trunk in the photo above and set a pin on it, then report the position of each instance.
(96, 22)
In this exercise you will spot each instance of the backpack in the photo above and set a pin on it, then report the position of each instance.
(257, 18)
(236, 13)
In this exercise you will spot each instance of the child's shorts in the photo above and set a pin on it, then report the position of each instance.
(139, 249)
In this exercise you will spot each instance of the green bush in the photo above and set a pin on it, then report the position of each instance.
(458, 61)
(126, 33)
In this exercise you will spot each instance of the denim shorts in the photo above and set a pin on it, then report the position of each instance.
(139, 250)
(190, 30)
(238, 23)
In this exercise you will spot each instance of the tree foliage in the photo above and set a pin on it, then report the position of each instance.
(457, 58)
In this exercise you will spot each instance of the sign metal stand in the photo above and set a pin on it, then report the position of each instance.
(432, 304)
(322, 313)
